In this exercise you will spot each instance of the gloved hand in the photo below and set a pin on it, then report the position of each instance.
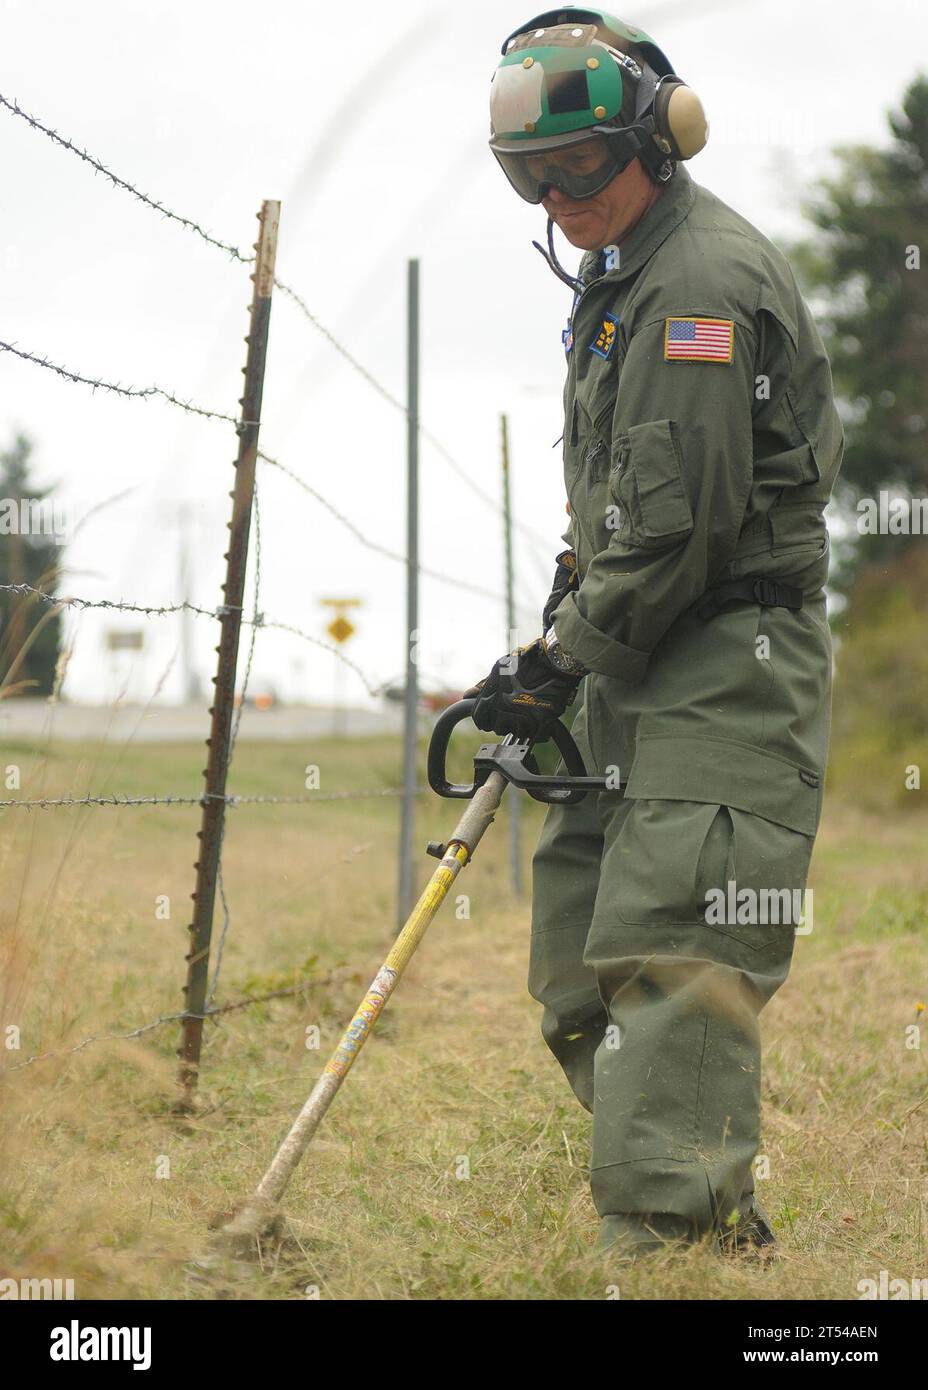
(525, 692)
(566, 581)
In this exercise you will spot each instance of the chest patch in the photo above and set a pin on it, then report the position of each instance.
(606, 337)
(699, 340)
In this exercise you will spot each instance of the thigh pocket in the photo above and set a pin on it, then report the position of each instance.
(650, 866)
(751, 880)
(700, 879)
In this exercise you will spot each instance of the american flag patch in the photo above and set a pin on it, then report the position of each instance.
(699, 340)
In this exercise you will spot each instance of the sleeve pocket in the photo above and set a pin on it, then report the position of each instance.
(647, 484)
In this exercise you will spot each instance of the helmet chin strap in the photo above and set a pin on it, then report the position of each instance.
(551, 257)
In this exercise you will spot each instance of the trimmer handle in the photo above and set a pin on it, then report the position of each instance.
(513, 758)
(438, 750)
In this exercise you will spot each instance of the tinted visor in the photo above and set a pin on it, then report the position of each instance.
(579, 169)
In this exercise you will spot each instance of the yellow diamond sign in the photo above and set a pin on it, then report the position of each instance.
(340, 629)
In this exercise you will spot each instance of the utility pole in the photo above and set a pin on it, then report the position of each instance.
(189, 678)
(512, 797)
(179, 514)
(411, 693)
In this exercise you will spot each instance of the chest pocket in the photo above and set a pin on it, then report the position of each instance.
(597, 389)
(646, 485)
(589, 429)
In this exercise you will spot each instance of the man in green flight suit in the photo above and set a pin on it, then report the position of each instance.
(701, 443)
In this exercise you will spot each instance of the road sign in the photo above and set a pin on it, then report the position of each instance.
(340, 629)
(124, 640)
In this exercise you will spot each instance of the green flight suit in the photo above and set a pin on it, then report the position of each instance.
(682, 475)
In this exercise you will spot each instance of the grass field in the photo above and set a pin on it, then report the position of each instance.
(457, 1069)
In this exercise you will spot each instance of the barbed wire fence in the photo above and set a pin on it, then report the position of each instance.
(226, 711)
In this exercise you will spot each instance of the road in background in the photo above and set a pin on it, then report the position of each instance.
(23, 719)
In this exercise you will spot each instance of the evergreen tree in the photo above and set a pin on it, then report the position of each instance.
(864, 272)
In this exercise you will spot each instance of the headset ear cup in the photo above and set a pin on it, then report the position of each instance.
(680, 119)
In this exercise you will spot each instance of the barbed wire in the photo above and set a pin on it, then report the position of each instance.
(232, 799)
(287, 991)
(373, 690)
(339, 516)
(372, 687)
(363, 795)
(148, 610)
(383, 391)
(124, 184)
(94, 1038)
(98, 384)
(258, 619)
(387, 395)
(287, 290)
(450, 579)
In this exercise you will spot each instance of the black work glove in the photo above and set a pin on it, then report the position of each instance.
(565, 582)
(524, 694)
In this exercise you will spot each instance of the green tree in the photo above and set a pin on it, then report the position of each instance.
(863, 270)
(880, 738)
(30, 630)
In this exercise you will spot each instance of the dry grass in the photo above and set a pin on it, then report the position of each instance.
(456, 1070)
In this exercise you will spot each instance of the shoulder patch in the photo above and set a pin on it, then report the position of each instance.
(606, 335)
(699, 340)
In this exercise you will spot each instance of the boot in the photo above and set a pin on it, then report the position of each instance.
(751, 1235)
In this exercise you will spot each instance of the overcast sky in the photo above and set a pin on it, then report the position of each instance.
(370, 124)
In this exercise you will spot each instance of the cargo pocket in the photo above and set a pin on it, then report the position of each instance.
(671, 879)
(810, 463)
(751, 886)
(647, 485)
(797, 533)
(650, 866)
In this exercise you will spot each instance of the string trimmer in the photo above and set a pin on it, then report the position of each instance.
(495, 764)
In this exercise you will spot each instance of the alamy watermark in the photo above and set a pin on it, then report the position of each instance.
(83, 1343)
(732, 906)
(38, 517)
(34, 1290)
(886, 515)
(885, 1287)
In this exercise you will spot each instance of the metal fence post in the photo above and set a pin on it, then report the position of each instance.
(411, 701)
(213, 802)
(513, 800)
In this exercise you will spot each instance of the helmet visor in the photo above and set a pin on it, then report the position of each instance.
(579, 169)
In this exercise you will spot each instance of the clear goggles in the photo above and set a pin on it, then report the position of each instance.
(580, 169)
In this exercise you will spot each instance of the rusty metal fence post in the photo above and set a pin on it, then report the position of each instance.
(213, 802)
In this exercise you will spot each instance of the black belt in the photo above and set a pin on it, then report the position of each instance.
(769, 593)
